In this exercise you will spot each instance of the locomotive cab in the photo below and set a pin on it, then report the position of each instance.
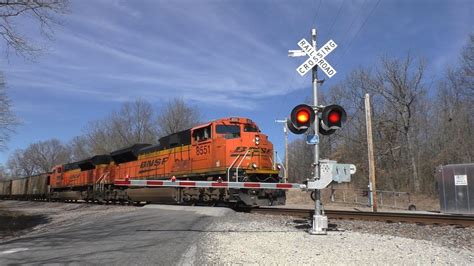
(243, 150)
(56, 176)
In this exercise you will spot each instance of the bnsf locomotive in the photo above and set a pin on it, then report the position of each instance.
(230, 149)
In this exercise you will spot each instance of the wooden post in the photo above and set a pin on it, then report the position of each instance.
(370, 145)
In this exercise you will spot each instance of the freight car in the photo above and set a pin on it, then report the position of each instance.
(230, 149)
(37, 187)
(33, 187)
(5, 189)
(18, 189)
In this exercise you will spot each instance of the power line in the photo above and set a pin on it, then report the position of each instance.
(337, 16)
(357, 33)
(356, 16)
(316, 14)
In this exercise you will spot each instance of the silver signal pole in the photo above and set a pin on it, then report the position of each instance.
(319, 220)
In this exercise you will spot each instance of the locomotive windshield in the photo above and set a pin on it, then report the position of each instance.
(250, 128)
(230, 131)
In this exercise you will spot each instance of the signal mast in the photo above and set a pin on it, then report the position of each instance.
(328, 118)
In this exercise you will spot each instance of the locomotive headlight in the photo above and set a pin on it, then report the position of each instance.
(254, 165)
(257, 140)
(279, 166)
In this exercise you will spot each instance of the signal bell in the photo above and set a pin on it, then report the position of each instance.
(301, 118)
(331, 119)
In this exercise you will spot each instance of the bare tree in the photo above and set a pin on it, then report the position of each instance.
(177, 115)
(132, 123)
(452, 125)
(3, 173)
(19, 164)
(399, 82)
(8, 120)
(39, 157)
(300, 158)
(46, 154)
(467, 68)
(100, 138)
(80, 148)
(42, 12)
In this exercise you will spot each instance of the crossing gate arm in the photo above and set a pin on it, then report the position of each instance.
(208, 184)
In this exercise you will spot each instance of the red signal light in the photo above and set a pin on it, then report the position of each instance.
(302, 116)
(334, 117)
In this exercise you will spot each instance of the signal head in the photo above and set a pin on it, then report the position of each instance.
(332, 117)
(301, 118)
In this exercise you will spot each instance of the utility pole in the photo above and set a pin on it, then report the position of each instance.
(319, 220)
(370, 145)
(285, 131)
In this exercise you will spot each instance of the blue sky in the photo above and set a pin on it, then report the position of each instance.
(226, 57)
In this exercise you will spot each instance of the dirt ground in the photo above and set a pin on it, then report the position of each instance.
(14, 223)
(18, 218)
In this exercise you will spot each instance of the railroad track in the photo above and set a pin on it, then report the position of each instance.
(389, 217)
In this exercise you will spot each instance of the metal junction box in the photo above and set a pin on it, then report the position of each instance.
(332, 171)
(456, 188)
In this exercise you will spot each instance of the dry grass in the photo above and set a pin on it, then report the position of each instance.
(354, 199)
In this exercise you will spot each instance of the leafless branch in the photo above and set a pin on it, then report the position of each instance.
(43, 12)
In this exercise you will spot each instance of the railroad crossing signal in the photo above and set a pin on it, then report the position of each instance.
(315, 57)
(331, 118)
(301, 118)
(334, 120)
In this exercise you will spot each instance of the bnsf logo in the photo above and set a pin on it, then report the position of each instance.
(151, 163)
(241, 149)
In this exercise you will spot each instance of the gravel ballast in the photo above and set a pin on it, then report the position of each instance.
(279, 240)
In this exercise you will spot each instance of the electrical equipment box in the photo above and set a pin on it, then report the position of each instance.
(330, 171)
(456, 188)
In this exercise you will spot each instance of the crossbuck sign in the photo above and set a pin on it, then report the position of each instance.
(315, 57)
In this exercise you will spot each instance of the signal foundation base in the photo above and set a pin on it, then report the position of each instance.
(320, 225)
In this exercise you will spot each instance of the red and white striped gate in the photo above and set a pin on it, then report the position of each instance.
(207, 184)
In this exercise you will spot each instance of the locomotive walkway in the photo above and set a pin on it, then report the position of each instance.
(135, 236)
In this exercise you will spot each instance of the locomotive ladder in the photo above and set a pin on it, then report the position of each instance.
(237, 168)
(100, 183)
(236, 173)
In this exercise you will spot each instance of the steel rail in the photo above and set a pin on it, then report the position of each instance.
(389, 217)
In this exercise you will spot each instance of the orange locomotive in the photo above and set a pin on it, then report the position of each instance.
(230, 149)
